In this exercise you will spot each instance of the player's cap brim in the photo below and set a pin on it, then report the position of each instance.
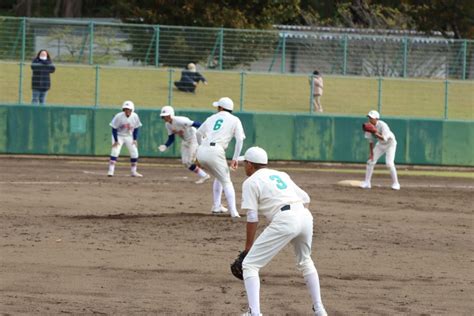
(241, 158)
(216, 104)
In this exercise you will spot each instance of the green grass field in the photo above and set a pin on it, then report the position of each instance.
(149, 87)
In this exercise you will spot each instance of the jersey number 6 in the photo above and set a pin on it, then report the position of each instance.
(218, 124)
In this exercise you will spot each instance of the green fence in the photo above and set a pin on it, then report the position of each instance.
(287, 50)
(85, 131)
(106, 86)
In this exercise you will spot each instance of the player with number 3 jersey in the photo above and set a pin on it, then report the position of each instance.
(214, 136)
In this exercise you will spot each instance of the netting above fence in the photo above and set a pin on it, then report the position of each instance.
(284, 51)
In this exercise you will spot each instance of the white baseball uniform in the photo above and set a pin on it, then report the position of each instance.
(214, 136)
(182, 126)
(273, 194)
(125, 127)
(387, 146)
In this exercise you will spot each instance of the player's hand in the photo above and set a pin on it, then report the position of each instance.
(234, 164)
(162, 148)
(115, 144)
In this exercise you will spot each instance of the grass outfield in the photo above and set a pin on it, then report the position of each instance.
(148, 87)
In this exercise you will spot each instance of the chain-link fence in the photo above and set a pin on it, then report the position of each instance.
(148, 87)
(282, 51)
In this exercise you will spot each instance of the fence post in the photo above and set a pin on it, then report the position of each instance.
(283, 54)
(221, 47)
(242, 86)
(96, 96)
(405, 56)
(170, 86)
(379, 98)
(344, 61)
(22, 59)
(91, 43)
(446, 83)
(157, 45)
(311, 95)
(464, 59)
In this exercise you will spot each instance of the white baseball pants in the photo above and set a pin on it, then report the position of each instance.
(389, 149)
(212, 158)
(188, 153)
(128, 141)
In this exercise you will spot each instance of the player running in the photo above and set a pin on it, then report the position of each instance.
(387, 144)
(125, 126)
(186, 129)
(273, 194)
(214, 136)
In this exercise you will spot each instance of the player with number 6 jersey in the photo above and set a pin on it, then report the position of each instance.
(213, 137)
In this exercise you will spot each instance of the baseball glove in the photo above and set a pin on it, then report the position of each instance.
(236, 266)
(367, 127)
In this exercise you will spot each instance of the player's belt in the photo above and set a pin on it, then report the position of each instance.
(212, 144)
(285, 208)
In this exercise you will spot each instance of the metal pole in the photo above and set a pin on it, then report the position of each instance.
(242, 75)
(344, 61)
(311, 96)
(91, 43)
(405, 56)
(464, 59)
(283, 53)
(170, 86)
(379, 99)
(221, 48)
(96, 97)
(22, 59)
(157, 46)
(446, 83)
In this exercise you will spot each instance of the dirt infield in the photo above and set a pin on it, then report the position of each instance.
(76, 242)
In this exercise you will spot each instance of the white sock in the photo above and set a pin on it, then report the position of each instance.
(252, 286)
(393, 174)
(201, 173)
(217, 193)
(229, 193)
(112, 166)
(134, 167)
(312, 282)
(368, 173)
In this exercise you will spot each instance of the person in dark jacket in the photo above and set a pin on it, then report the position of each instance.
(189, 79)
(42, 67)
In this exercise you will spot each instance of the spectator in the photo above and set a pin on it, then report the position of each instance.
(189, 79)
(42, 67)
(318, 85)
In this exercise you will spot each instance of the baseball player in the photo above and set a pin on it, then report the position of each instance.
(387, 144)
(186, 129)
(273, 194)
(125, 126)
(213, 137)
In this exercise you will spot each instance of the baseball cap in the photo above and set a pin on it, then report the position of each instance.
(128, 105)
(255, 155)
(374, 114)
(225, 103)
(167, 110)
(192, 67)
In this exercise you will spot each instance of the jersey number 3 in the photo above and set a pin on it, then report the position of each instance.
(218, 124)
(279, 182)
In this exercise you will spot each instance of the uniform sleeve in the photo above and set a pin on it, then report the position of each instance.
(250, 195)
(115, 121)
(138, 124)
(369, 137)
(384, 131)
(202, 130)
(239, 131)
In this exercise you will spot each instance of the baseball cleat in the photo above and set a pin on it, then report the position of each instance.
(136, 174)
(365, 185)
(203, 179)
(219, 210)
(396, 186)
(320, 312)
(110, 174)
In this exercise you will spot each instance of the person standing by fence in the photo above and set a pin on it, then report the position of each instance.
(317, 82)
(42, 66)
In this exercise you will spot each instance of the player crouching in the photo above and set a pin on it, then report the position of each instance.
(186, 129)
(125, 127)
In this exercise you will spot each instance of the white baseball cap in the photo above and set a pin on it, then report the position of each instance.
(374, 114)
(225, 103)
(255, 155)
(128, 105)
(192, 67)
(167, 110)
